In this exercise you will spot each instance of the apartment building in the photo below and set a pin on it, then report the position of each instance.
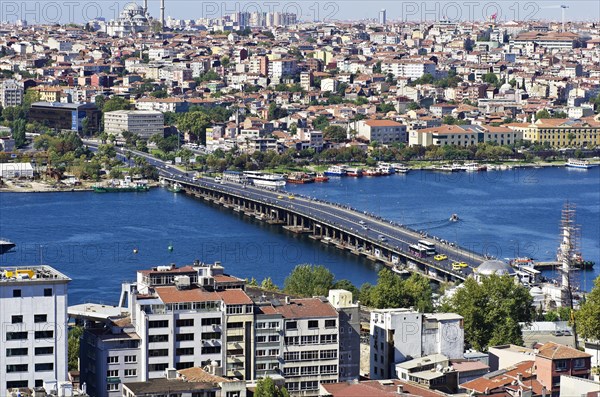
(397, 335)
(553, 360)
(349, 326)
(33, 312)
(279, 68)
(11, 93)
(382, 131)
(308, 348)
(66, 116)
(144, 123)
(409, 68)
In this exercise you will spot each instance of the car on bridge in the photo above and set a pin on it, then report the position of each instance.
(440, 257)
(291, 197)
(459, 265)
(382, 237)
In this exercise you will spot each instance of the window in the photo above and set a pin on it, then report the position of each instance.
(47, 291)
(131, 359)
(310, 355)
(211, 321)
(211, 335)
(41, 351)
(187, 322)
(273, 338)
(112, 387)
(211, 349)
(44, 334)
(273, 352)
(16, 293)
(579, 363)
(131, 372)
(235, 325)
(291, 356)
(16, 368)
(313, 323)
(184, 337)
(261, 339)
(157, 367)
(328, 369)
(292, 340)
(40, 318)
(311, 370)
(158, 352)
(310, 340)
(291, 325)
(17, 319)
(112, 359)
(112, 373)
(329, 338)
(16, 335)
(291, 371)
(16, 384)
(158, 324)
(20, 351)
(185, 351)
(44, 367)
(184, 365)
(331, 354)
(561, 365)
(158, 338)
(329, 323)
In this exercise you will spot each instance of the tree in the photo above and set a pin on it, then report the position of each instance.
(269, 285)
(309, 280)
(588, 316)
(542, 114)
(334, 133)
(320, 122)
(391, 291)
(75, 334)
(491, 310)
(115, 103)
(413, 106)
(194, 123)
(490, 78)
(18, 132)
(266, 387)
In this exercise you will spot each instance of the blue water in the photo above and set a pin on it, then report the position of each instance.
(90, 237)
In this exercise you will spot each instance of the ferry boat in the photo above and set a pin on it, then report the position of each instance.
(300, 178)
(446, 168)
(401, 168)
(321, 178)
(386, 168)
(474, 167)
(122, 185)
(336, 170)
(578, 163)
(175, 188)
(261, 179)
(355, 172)
(6, 245)
(371, 172)
(401, 272)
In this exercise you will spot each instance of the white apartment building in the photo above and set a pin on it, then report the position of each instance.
(382, 131)
(144, 123)
(279, 68)
(11, 93)
(397, 335)
(33, 312)
(412, 69)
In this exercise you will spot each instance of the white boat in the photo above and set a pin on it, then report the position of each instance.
(474, 167)
(578, 163)
(400, 168)
(385, 168)
(447, 168)
(399, 271)
(261, 179)
(336, 170)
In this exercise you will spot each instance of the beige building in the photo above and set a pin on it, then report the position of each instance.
(561, 132)
(144, 123)
(463, 135)
(382, 131)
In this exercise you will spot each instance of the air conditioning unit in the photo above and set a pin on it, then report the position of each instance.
(214, 326)
(213, 340)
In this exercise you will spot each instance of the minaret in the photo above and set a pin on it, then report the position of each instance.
(146, 7)
(162, 14)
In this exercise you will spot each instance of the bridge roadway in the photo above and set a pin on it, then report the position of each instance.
(347, 222)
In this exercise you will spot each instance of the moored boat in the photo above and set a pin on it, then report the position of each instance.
(122, 185)
(385, 169)
(336, 170)
(371, 172)
(175, 188)
(262, 179)
(578, 163)
(354, 171)
(6, 245)
(320, 177)
(300, 178)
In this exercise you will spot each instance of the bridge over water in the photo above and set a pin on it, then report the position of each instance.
(346, 228)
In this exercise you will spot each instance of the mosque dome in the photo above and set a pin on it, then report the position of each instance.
(494, 266)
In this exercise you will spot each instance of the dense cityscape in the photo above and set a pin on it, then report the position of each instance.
(239, 112)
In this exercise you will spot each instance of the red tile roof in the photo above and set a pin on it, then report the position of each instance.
(172, 295)
(555, 351)
(303, 308)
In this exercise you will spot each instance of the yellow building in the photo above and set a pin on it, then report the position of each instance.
(561, 132)
(49, 94)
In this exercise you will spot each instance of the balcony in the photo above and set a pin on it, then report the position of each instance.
(237, 359)
(234, 345)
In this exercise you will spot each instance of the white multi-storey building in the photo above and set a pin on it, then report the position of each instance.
(33, 313)
(144, 123)
(409, 68)
(382, 131)
(398, 335)
(11, 93)
(279, 68)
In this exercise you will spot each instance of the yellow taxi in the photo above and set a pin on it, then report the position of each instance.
(291, 197)
(459, 265)
(440, 257)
